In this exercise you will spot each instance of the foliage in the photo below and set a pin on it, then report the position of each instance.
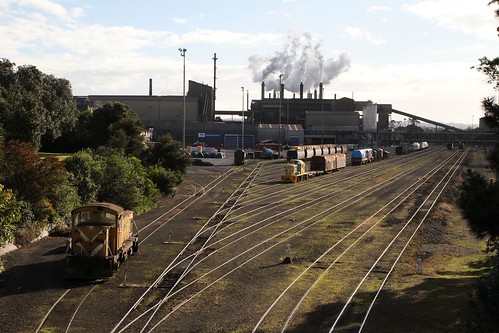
(485, 318)
(166, 180)
(125, 135)
(478, 202)
(169, 154)
(40, 182)
(86, 174)
(125, 183)
(35, 106)
(105, 175)
(111, 117)
(10, 214)
(114, 125)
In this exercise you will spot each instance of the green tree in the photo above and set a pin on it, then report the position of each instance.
(104, 117)
(478, 202)
(86, 174)
(41, 182)
(10, 214)
(125, 135)
(169, 154)
(126, 183)
(37, 106)
(166, 180)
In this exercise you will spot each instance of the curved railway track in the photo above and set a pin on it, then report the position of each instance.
(248, 231)
(219, 273)
(64, 310)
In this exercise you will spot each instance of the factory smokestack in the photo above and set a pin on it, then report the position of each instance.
(320, 90)
(263, 90)
(301, 90)
(300, 61)
(150, 87)
(281, 96)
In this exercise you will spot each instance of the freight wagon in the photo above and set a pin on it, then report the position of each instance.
(239, 157)
(296, 170)
(308, 151)
(328, 163)
(362, 156)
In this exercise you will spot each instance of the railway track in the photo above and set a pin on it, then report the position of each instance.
(218, 273)
(248, 232)
(63, 311)
(362, 231)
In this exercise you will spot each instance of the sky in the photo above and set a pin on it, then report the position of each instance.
(416, 55)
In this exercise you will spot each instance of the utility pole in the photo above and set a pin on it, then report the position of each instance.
(214, 83)
(242, 120)
(182, 54)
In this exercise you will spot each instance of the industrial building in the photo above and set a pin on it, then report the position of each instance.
(294, 119)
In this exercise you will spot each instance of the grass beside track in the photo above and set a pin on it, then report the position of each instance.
(439, 299)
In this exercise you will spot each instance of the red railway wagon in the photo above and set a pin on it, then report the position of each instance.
(328, 163)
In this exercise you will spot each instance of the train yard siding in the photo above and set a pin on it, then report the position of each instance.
(437, 299)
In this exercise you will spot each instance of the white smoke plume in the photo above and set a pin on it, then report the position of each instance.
(300, 61)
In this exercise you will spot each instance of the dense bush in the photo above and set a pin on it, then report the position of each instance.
(486, 302)
(10, 214)
(41, 182)
(166, 180)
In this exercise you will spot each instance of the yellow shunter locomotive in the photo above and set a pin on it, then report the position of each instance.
(103, 235)
(294, 171)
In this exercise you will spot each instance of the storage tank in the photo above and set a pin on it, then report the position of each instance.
(369, 118)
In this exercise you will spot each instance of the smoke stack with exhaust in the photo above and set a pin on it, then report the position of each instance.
(150, 87)
(281, 96)
(263, 90)
(320, 90)
(300, 60)
(301, 90)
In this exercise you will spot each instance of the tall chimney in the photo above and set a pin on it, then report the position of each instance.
(315, 93)
(263, 90)
(301, 90)
(281, 96)
(320, 90)
(150, 87)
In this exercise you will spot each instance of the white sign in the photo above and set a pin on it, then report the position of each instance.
(201, 135)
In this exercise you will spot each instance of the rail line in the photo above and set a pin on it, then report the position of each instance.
(66, 301)
(217, 219)
(342, 205)
(406, 194)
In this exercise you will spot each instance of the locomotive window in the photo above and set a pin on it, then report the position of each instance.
(82, 217)
(107, 217)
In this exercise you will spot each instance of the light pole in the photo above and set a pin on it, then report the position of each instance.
(242, 114)
(182, 54)
(280, 97)
(322, 115)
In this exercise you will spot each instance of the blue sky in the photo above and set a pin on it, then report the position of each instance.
(415, 55)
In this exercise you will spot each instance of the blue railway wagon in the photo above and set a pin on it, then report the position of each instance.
(362, 156)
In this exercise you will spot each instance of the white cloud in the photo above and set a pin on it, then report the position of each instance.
(441, 91)
(379, 9)
(178, 20)
(357, 33)
(468, 16)
(217, 37)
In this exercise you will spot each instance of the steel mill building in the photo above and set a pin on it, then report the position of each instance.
(278, 116)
